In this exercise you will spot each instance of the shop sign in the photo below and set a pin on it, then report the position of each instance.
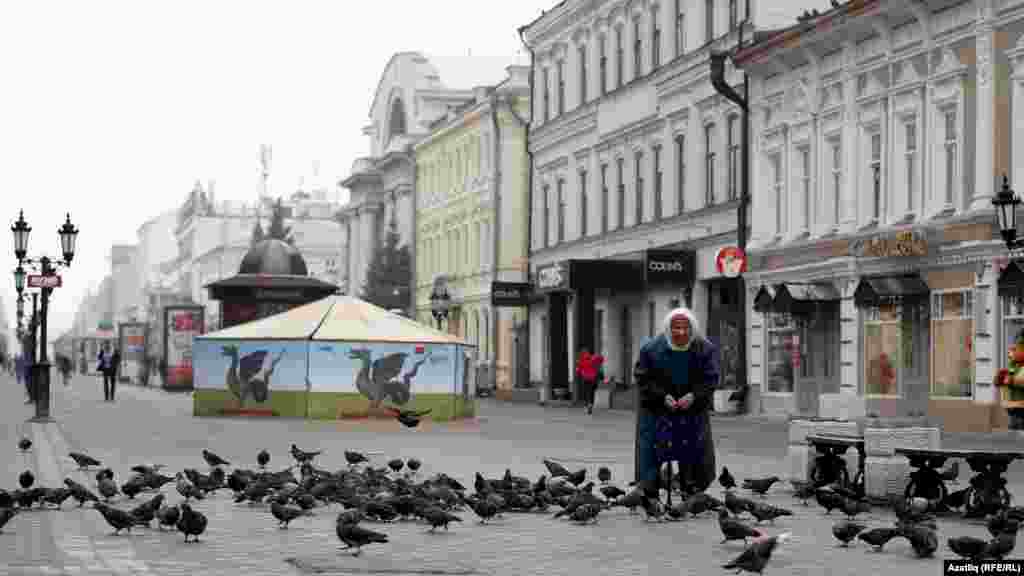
(730, 261)
(669, 267)
(553, 277)
(271, 294)
(510, 293)
(904, 243)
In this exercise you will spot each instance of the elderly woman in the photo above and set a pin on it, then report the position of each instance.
(676, 374)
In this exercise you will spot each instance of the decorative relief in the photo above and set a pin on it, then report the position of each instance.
(1016, 55)
(947, 82)
(983, 64)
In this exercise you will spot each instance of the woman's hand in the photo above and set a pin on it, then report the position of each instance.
(670, 402)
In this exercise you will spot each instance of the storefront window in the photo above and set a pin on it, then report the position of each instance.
(953, 344)
(782, 353)
(1013, 324)
(882, 349)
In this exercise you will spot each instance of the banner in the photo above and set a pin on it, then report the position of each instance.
(181, 325)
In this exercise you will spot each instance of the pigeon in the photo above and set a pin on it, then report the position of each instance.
(829, 500)
(146, 512)
(80, 493)
(1001, 546)
(765, 512)
(396, 465)
(736, 504)
(760, 485)
(24, 444)
(652, 508)
(612, 492)
(355, 458)
(354, 536)
(845, 531)
(408, 418)
(726, 480)
(413, 465)
(5, 516)
(631, 501)
(956, 499)
(263, 458)
(555, 469)
(55, 496)
(107, 487)
(168, 516)
(147, 469)
(186, 488)
(117, 518)
(853, 507)
(1000, 523)
(303, 456)
(285, 514)
(84, 461)
(578, 477)
(968, 547)
(585, 514)
(437, 517)
(756, 556)
(26, 479)
(485, 508)
(803, 490)
(190, 522)
(213, 460)
(734, 529)
(923, 540)
(604, 475)
(879, 537)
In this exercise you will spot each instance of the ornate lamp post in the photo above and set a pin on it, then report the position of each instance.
(1006, 202)
(440, 303)
(46, 281)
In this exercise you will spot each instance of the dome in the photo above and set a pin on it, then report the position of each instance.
(273, 257)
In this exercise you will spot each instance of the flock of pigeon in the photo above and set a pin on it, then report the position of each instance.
(396, 493)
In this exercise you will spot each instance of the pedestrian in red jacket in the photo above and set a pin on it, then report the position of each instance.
(588, 366)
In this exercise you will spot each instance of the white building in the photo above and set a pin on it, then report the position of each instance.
(881, 132)
(635, 168)
(156, 246)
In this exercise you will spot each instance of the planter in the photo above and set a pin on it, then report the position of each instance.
(248, 412)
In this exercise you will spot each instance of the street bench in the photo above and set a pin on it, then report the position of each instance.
(987, 491)
(830, 466)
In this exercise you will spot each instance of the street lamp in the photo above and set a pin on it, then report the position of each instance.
(47, 267)
(440, 302)
(1006, 203)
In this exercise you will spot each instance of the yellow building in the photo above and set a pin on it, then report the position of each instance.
(471, 223)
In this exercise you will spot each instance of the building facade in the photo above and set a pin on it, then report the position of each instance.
(471, 218)
(126, 294)
(409, 97)
(635, 179)
(881, 132)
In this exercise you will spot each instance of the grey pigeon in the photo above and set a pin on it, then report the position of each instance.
(355, 536)
(191, 523)
(5, 516)
(756, 556)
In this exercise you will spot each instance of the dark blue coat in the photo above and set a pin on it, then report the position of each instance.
(654, 380)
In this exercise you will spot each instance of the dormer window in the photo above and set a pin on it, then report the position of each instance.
(396, 119)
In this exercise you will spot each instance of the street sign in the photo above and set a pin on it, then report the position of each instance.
(40, 281)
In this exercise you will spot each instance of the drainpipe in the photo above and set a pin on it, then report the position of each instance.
(413, 279)
(495, 231)
(529, 181)
(723, 88)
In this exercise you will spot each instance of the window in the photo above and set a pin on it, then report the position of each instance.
(621, 193)
(876, 175)
(911, 157)
(734, 14)
(605, 201)
(882, 349)
(604, 68)
(547, 216)
(709, 164)
(953, 343)
(656, 157)
(709, 20)
(780, 203)
(651, 319)
(837, 179)
(680, 29)
(561, 209)
(584, 214)
(783, 352)
(618, 57)
(561, 87)
(637, 47)
(639, 175)
(734, 156)
(805, 184)
(1013, 323)
(680, 173)
(655, 40)
(583, 74)
(547, 97)
(950, 146)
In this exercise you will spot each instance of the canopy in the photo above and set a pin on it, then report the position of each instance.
(873, 289)
(337, 318)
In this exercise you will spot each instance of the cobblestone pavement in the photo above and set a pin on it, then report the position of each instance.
(151, 426)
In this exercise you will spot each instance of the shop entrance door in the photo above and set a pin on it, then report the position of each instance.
(915, 340)
(724, 317)
(818, 356)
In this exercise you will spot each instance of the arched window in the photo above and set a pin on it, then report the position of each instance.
(396, 121)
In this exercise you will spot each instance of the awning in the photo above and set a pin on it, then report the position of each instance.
(802, 298)
(1011, 280)
(873, 290)
(764, 302)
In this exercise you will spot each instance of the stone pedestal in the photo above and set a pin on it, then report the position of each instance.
(841, 406)
(800, 455)
(887, 473)
(721, 403)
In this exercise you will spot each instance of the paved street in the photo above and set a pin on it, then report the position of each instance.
(151, 426)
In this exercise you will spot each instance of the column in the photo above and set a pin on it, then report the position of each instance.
(367, 241)
(1016, 56)
(848, 211)
(984, 158)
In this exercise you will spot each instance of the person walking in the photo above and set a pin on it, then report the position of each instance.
(676, 374)
(21, 373)
(589, 368)
(108, 368)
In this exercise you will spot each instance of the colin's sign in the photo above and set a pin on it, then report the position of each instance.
(669, 267)
(510, 293)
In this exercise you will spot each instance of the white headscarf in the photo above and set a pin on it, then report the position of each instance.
(695, 333)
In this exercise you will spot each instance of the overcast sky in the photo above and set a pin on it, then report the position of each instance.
(112, 109)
